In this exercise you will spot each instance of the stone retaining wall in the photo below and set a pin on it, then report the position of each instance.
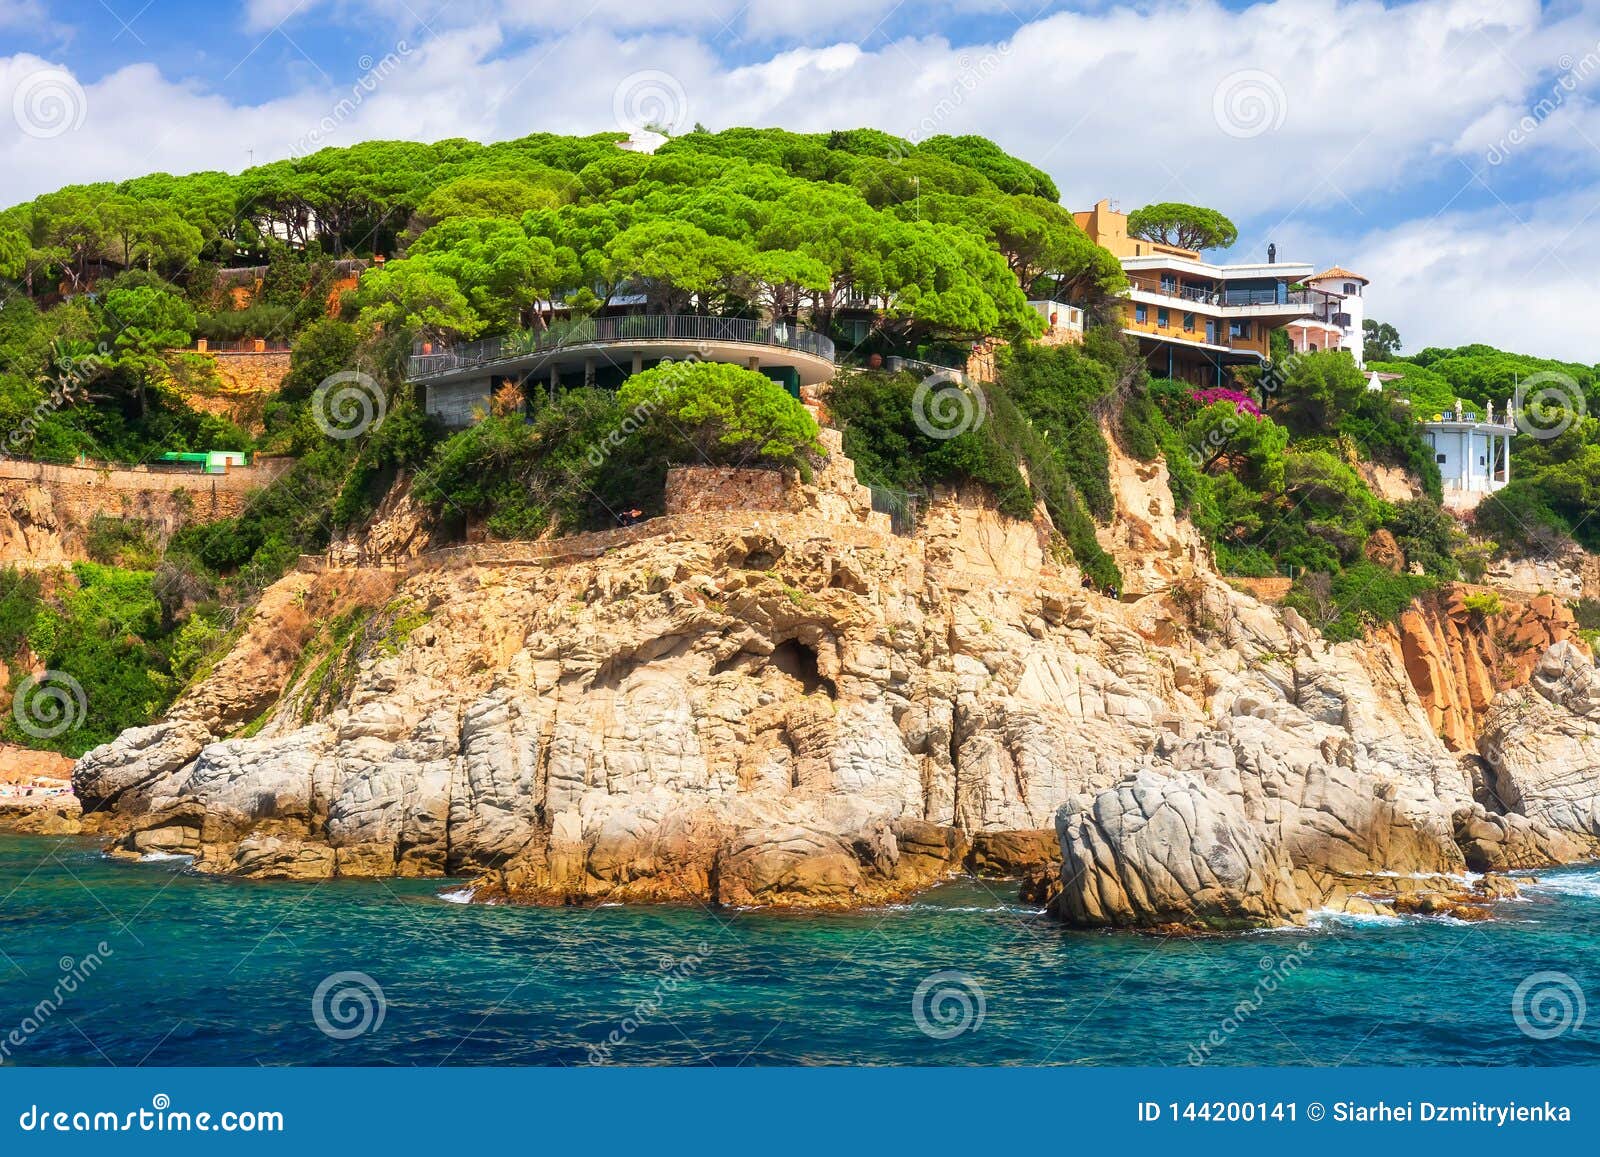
(45, 510)
(697, 489)
(238, 480)
(1268, 590)
(248, 379)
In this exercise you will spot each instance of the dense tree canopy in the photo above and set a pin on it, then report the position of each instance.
(946, 238)
(1187, 226)
(1382, 340)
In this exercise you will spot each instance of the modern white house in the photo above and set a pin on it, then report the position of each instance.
(1338, 315)
(1473, 451)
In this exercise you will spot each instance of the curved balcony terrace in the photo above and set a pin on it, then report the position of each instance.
(628, 342)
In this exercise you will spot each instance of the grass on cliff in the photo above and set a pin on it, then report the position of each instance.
(1031, 437)
(1350, 604)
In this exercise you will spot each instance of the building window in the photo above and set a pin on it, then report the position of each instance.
(1439, 458)
(1163, 318)
(1141, 314)
(1349, 288)
(1169, 283)
(1239, 329)
(1188, 322)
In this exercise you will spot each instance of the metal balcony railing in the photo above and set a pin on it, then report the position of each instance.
(618, 331)
(1227, 296)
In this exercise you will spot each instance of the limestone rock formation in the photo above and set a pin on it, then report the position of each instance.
(1161, 849)
(1152, 545)
(799, 708)
(1542, 744)
(1459, 660)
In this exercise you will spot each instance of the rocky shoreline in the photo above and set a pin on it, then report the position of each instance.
(768, 712)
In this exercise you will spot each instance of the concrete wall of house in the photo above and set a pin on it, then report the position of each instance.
(1258, 341)
(1467, 458)
(457, 404)
(1354, 304)
(1109, 229)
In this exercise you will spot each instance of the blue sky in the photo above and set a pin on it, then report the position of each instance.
(1445, 148)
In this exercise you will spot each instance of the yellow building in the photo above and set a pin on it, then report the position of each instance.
(1194, 319)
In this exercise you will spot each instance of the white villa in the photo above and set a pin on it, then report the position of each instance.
(1473, 452)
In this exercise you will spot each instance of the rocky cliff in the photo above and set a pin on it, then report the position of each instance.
(799, 708)
(1459, 659)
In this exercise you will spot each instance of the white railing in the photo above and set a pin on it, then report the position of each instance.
(426, 363)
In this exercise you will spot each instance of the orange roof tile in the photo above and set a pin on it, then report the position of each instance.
(1340, 272)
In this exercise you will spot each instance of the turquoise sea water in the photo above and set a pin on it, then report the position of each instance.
(204, 971)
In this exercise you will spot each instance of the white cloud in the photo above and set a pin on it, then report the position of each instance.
(1518, 277)
(1357, 104)
(20, 13)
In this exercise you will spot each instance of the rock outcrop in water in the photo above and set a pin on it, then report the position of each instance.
(803, 709)
(1160, 849)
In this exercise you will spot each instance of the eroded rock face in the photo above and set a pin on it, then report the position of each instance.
(1542, 744)
(1160, 849)
(779, 709)
(1459, 660)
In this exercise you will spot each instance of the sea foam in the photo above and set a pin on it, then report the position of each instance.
(1582, 883)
